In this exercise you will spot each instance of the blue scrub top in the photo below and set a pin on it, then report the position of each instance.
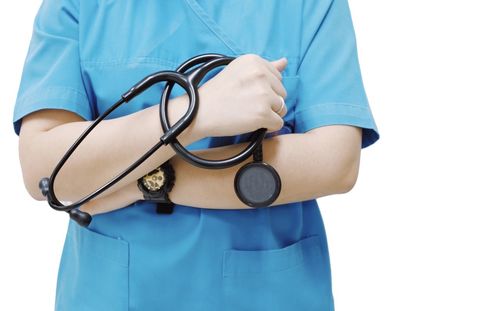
(84, 55)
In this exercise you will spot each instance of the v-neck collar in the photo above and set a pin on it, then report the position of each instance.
(214, 27)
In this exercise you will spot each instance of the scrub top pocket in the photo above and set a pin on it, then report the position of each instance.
(277, 279)
(93, 272)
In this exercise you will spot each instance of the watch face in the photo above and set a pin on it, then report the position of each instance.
(154, 180)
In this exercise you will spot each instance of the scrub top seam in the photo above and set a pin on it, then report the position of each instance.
(99, 63)
(330, 104)
(45, 93)
(367, 122)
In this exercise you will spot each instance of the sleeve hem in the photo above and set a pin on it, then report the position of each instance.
(52, 98)
(338, 113)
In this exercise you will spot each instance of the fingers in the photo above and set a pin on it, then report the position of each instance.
(254, 60)
(277, 86)
(276, 103)
(275, 67)
(278, 65)
(279, 107)
(271, 71)
(277, 122)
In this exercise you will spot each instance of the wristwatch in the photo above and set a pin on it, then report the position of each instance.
(156, 185)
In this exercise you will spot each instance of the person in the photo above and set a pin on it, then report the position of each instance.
(213, 252)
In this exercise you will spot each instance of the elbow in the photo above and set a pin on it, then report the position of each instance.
(30, 164)
(346, 181)
(31, 183)
(62, 187)
(32, 178)
(29, 174)
(37, 195)
(31, 186)
(343, 162)
(33, 169)
(36, 163)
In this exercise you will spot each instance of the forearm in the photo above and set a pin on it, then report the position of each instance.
(110, 148)
(306, 172)
(317, 168)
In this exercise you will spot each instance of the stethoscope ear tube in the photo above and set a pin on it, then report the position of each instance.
(188, 77)
(47, 184)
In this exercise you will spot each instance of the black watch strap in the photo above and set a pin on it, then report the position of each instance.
(164, 208)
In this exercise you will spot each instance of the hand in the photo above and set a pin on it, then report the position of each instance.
(243, 97)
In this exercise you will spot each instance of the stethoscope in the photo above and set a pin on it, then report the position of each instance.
(257, 184)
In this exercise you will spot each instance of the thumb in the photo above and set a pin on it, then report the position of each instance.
(280, 64)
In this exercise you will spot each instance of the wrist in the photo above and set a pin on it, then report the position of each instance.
(177, 108)
(137, 193)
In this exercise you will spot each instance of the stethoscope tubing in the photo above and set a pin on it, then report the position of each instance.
(189, 81)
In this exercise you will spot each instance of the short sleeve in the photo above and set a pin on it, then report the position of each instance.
(51, 75)
(331, 89)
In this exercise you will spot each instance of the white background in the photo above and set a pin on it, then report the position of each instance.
(421, 228)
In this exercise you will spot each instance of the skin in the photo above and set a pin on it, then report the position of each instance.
(256, 83)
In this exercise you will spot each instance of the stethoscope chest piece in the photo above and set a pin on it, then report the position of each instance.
(257, 184)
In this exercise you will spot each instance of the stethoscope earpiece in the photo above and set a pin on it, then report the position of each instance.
(43, 185)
